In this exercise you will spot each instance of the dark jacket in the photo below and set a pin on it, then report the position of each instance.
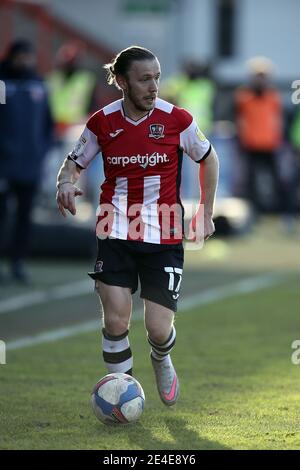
(25, 125)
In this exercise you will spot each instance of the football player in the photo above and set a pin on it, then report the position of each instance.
(142, 139)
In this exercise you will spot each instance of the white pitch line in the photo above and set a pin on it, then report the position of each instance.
(54, 335)
(245, 286)
(242, 287)
(72, 289)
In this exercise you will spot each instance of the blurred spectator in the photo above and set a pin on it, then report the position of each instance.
(73, 89)
(294, 131)
(25, 137)
(259, 119)
(293, 137)
(194, 90)
(75, 93)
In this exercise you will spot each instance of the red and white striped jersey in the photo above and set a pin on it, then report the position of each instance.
(140, 197)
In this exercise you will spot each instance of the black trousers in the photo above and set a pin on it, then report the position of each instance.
(16, 199)
(283, 196)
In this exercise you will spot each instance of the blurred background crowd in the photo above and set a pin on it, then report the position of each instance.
(231, 63)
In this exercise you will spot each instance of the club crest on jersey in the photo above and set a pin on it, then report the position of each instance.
(156, 131)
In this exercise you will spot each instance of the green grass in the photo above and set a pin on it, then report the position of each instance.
(239, 389)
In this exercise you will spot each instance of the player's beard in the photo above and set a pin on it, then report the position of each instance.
(138, 104)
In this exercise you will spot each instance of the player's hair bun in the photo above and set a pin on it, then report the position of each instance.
(121, 63)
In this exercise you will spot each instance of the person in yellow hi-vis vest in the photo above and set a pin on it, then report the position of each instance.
(294, 140)
(194, 90)
(71, 88)
(294, 133)
(74, 94)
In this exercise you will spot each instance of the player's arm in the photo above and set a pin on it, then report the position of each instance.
(67, 177)
(196, 145)
(208, 180)
(84, 152)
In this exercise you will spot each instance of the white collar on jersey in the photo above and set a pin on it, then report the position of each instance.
(135, 123)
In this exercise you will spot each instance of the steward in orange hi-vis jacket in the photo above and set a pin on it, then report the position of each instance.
(259, 119)
(259, 124)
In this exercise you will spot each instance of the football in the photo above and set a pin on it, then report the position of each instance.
(118, 398)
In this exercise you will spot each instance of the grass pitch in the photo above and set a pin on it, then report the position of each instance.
(239, 388)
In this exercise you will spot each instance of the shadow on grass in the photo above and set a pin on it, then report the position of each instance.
(179, 436)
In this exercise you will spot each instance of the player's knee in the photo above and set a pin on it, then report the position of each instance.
(115, 324)
(158, 335)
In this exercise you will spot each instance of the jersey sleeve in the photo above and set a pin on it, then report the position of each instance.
(194, 142)
(87, 146)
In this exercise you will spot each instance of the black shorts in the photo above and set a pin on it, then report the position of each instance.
(159, 268)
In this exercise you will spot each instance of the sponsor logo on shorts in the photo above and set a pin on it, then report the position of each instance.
(98, 267)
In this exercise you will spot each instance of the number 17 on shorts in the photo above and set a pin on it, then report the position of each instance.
(175, 278)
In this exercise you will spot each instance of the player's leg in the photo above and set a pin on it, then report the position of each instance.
(160, 275)
(116, 307)
(116, 280)
(159, 323)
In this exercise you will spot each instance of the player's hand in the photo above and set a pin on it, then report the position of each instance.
(195, 229)
(65, 198)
